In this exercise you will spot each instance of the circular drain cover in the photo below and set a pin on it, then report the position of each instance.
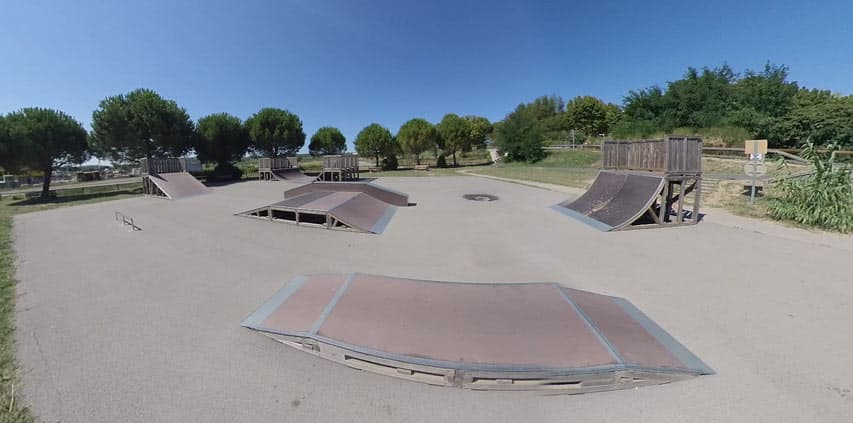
(480, 197)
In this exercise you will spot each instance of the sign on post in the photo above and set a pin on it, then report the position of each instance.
(756, 150)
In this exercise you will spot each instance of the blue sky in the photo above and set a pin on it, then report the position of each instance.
(349, 63)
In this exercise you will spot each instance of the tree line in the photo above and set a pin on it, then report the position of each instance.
(761, 104)
(142, 124)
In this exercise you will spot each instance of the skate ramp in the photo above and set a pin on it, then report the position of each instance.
(615, 200)
(379, 192)
(331, 210)
(536, 336)
(178, 185)
(292, 175)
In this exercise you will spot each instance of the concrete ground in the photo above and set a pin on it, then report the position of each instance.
(144, 326)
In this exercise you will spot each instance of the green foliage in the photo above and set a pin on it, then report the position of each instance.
(456, 134)
(481, 130)
(376, 141)
(140, 124)
(590, 115)
(389, 162)
(221, 138)
(764, 104)
(823, 199)
(327, 140)
(47, 138)
(416, 136)
(227, 171)
(819, 116)
(275, 132)
(520, 136)
(7, 154)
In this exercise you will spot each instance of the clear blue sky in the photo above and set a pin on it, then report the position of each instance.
(349, 63)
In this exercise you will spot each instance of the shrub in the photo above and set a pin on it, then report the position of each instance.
(823, 199)
(390, 162)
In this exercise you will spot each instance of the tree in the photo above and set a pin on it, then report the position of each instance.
(375, 140)
(589, 115)
(327, 140)
(520, 137)
(456, 133)
(47, 138)
(275, 132)
(140, 124)
(221, 138)
(416, 136)
(481, 130)
(8, 155)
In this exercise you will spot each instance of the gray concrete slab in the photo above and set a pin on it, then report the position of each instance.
(144, 326)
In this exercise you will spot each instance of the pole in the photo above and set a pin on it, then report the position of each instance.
(754, 154)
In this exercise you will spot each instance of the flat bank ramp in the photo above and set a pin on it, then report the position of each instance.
(387, 195)
(292, 175)
(615, 200)
(527, 336)
(178, 185)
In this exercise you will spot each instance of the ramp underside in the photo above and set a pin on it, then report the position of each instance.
(479, 336)
(333, 210)
(379, 192)
(178, 185)
(615, 200)
(292, 175)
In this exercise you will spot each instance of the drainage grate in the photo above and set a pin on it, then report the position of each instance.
(480, 197)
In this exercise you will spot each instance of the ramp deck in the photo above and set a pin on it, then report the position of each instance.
(379, 192)
(533, 336)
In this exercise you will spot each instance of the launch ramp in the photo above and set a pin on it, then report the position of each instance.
(335, 205)
(536, 336)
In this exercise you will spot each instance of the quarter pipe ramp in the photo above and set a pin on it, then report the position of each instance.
(615, 200)
(292, 175)
(532, 336)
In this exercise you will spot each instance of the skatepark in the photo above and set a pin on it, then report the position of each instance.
(150, 320)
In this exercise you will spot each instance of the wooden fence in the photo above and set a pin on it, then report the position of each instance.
(268, 163)
(670, 155)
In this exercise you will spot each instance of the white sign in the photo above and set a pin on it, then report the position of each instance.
(754, 168)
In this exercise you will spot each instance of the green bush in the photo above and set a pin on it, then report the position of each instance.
(390, 162)
(823, 199)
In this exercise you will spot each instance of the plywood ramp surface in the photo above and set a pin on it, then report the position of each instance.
(476, 334)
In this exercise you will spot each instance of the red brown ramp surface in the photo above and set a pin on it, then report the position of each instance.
(333, 210)
(533, 336)
(615, 200)
(178, 185)
(292, 175)
(379, 192)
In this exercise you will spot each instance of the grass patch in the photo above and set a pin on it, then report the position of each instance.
(573, 177)
(11, 409)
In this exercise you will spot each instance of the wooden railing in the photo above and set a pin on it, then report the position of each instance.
(349, 161)
(671, 155)
(268, 163)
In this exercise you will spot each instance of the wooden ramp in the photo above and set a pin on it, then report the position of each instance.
(335, 205)
(175, 185)
(379, 192)
(530, 336)
(292, 175)
(615, 200)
